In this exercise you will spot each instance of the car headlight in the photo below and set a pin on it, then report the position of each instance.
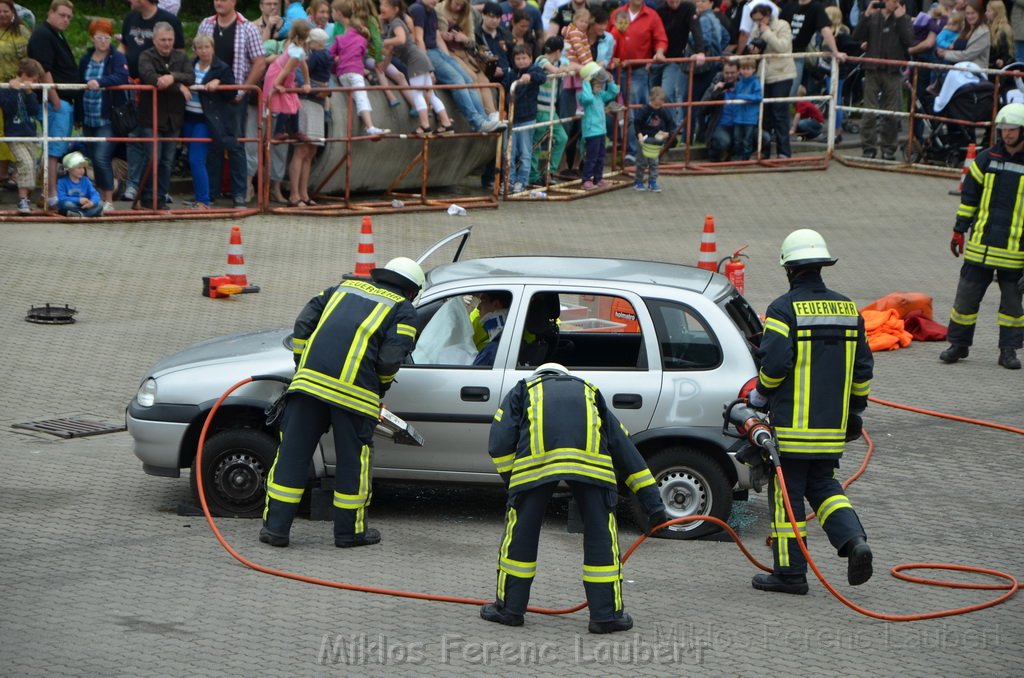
(147, 393)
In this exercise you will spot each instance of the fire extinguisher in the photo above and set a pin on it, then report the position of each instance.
(735, 269)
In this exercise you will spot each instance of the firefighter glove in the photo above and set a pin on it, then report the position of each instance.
(854, 426)
(757, 400)
(956, 245)
(655, 519)
(275, 410)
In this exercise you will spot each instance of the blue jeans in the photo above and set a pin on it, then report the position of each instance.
(675, 82)
(743, 139)
(100, 154)
(522, 147)
(799, 79)
(139, 156)
(236, 157)
(637, 95)
(810, 128)
(593, 164)
(449, 72)
(839, 100)
(69, 206)
(59, 124)
(1019, 45)
(197, 152)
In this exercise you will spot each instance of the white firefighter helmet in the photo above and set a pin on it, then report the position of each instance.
(1010, 116)
(401, 271)
(805, 247)
(551, 368)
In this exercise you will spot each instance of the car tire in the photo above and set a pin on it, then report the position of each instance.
(235, 467)
(691, 483)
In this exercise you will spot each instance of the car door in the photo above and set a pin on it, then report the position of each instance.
(606, 336)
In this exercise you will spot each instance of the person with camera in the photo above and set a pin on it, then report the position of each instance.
(888, 32)
(771, 35)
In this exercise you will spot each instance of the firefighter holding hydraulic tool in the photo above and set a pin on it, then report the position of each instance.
(814, 379)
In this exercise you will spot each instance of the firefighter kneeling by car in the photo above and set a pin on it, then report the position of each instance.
(815, 376)
(554, 427)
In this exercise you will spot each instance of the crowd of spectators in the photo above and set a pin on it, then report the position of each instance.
(293, 51)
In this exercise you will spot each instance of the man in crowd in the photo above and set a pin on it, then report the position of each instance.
(50, 48)
(889, 34)
(137, 31)
(171, 72)
(237, 42)
(806, 18)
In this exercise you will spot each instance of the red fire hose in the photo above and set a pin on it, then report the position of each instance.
(1010, 587)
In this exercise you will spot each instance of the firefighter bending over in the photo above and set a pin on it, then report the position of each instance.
(554, 427)
(815, 376)
(349, 342)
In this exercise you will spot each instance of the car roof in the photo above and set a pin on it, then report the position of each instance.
(587, 268)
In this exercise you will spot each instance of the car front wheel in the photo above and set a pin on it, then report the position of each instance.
(690, 484)
(235, 467)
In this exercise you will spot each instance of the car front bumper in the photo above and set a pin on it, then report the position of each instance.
(157, 433)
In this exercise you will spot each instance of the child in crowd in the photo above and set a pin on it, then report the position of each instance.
(527, 79)
(284, 105)
(399, 43)
(349, 51)
(808, 120)
(742, 116)
(21, 107)
(948, 35)
(319, 63)
(598, 89)
(652, 124)
(294, 12)
(577, 41)
(319, 14)
(76, 196)
(554, 64)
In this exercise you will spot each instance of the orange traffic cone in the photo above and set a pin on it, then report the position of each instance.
(708, 258)
(972, 152)
(365, 255)
(236, 262)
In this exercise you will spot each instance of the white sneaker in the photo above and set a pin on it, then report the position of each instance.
(377, 131)
(108, 206)
(129, 193)
(24, 206)
(493, 117)
(517, 187)
(492, 125)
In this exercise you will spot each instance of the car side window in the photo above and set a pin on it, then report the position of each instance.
(462, 330)
(582, 331)
(685, 340)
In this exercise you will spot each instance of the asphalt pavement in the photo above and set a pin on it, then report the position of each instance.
(102, 577)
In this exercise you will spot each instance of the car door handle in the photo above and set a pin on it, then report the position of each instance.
(627, 401)
(475, 394)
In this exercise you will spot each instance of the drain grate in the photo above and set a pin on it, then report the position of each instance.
(70, 428)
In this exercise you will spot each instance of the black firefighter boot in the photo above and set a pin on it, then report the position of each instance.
(781, 583)
(1008, 359)
(858, 561)
(953, 353)
(496, 612)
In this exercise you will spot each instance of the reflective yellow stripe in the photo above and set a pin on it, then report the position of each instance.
(535, 414)
(1010, 321)
(624, 430)
(770, 382)
(776, 325)
(370, 409)
(332, 303)
(613, 530)
(593, 428)
(780, 543)
(976, 172)
(851, 354)
(963, 318)
(802, 383)
(357, 350)
(407, 330)
(504, 464)
(832, 504)
(498, 414)
(639, 480)
(978, 228)
(861, 388)
(564, 455)
(568, 469)
(349, 501)
(602, 574)
(298, 345)
(517, 568)
(511, 518)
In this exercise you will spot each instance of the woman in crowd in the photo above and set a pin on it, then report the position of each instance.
(975, 40)
(206, 114)
(14, 37)
(771, 35)
(102, 67)
(1002, 50)
(456, 23)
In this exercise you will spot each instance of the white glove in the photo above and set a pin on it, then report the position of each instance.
(757, 400)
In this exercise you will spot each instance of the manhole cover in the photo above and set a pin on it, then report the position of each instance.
(51, 314)
(70, 428)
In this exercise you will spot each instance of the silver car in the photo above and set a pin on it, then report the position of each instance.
(668, 345)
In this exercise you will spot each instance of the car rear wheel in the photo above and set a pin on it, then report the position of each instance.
(690, 484)
(235, 468)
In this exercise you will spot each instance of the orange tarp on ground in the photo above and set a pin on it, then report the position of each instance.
(885, 330)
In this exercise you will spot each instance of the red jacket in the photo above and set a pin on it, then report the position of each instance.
(644, 36)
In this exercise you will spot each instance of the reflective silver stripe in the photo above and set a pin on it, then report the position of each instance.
(518, 568)
(818, 320)
(1004, 166)
(602, 574)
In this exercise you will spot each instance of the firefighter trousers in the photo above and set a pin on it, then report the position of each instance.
(305, 420)
(814, 479)
(517, 558)
(974, 280)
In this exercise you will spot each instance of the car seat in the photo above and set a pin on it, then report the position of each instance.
(542, 324)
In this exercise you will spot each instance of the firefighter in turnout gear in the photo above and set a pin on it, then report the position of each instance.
(814, 378)
(992, 209)
(349, 342)
(550, 428)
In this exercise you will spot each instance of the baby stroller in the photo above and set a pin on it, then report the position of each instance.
(964, 96)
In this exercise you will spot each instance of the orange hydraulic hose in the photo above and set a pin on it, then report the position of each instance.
(897, 571)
